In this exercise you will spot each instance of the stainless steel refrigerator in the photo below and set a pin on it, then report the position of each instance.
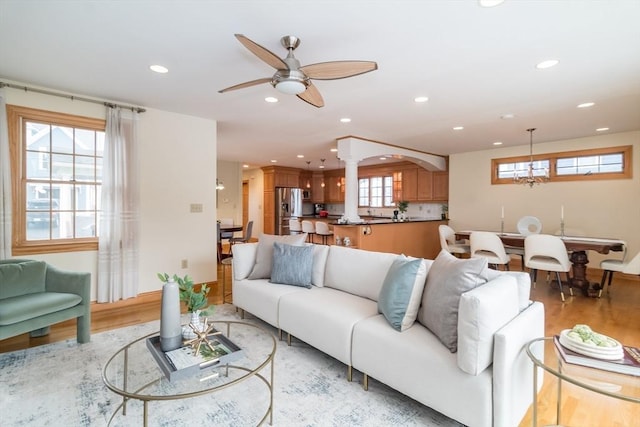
(288, 205)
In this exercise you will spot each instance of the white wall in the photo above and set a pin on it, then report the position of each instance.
(178, 167)
(604, 208)
(255, 178)
(230, 199)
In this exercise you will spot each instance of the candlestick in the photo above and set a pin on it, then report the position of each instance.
(562, 228)
(502, 226)
(502, 213)
(562, 212)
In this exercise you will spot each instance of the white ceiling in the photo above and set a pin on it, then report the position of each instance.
(475, 65)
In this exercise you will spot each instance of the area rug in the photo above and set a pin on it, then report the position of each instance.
(60, 384)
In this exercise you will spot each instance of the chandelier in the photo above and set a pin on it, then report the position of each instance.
(532, 177)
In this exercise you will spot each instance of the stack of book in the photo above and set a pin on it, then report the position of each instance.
(629, 363)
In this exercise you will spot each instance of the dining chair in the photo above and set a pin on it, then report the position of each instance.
(449, 243)
(246, 235)
(547, 252)
(486, 244)
(322, 230)
(619, 265)
(294, 226)
(226, 221)
(309, 228)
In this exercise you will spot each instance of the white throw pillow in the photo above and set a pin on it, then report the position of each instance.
(264, 257)
(483, 311)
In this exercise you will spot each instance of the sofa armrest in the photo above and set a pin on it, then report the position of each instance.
(71, 282)
(512, 368)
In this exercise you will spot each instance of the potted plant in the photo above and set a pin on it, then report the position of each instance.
(445, 211)
(195, 299)
(403, 205)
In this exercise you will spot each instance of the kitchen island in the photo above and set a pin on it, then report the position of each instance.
(416, 237)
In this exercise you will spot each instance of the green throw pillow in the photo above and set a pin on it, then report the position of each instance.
(399, 297)
(292, 265)
(21, 278)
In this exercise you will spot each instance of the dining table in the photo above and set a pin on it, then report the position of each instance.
(577, 246)
(226, 228)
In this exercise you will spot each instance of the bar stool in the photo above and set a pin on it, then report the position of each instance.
(309, 228)
(322, 230)
(226, 263)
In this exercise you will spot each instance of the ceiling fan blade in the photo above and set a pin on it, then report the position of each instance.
(246, 84)
(262, 53)
(312, 96)
(338, 69)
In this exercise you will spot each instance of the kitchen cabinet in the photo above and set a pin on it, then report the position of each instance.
(424, 184)
(334, 193)
(440, 186)
(317, 187)
(409, 184)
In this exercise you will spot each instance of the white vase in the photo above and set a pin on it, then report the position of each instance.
(170, 333)
(187, 332)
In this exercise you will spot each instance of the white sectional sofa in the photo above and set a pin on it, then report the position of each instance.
(479, 376)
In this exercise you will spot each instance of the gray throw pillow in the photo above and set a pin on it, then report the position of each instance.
(448, 278)
(397, 292)
(264, 255)
(292, 265)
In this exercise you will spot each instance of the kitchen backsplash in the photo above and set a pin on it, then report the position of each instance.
(415, 210)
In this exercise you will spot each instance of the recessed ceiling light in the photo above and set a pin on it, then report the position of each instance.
(321, 167)
(420, 99)
(497, 143)
(383, 158)
(602, 129)
(271, 99)
(490, 3)
(458, 128)
(159, 69)
(274, 161)
(586, 104)
(345, 120)
(507, 116)
(334, 150)
(300, 156)
(547, 64)
(245, 165)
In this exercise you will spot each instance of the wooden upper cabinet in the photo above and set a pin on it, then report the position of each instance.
(441, 186)
(317, 187)
(425, 184)
(334, 192)
(409, 185)
(278, 176)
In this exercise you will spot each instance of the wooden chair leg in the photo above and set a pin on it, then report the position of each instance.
(560, 285)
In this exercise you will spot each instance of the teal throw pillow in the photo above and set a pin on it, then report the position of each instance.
(401, 293)
(292, 265)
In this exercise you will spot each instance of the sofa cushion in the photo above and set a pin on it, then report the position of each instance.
(401, 292)
(357, 271)
(483, 311)
(292, 265)
(22, 278)
(244, 258)
(23, 307)
(264, 255)
(448, 278)
(320, 254)
(523, 281)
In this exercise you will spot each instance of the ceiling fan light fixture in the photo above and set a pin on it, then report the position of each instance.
(291, 87)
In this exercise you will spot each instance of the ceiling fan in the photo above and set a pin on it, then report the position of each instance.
(292, 79)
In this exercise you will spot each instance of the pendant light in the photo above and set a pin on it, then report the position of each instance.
(531, 178)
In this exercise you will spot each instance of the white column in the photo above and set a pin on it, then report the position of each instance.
(351, 191)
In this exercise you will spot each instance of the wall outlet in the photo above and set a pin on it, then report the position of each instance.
(184, 263)
(196, 207)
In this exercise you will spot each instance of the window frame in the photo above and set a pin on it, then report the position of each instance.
(625, 150)
(16, 116)
(387, 186)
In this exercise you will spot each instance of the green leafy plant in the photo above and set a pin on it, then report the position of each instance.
(195, 299)
(403, 205)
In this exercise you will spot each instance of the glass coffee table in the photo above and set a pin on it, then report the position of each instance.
(543, 354)
(133, 373)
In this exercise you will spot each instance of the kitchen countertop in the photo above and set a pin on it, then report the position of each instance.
(390, 221)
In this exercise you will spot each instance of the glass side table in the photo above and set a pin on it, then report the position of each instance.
(617, 386)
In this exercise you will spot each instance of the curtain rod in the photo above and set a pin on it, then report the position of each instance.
(72, 97)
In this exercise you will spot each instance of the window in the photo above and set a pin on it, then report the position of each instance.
(57, 180)
(375, 191)
(581, 165)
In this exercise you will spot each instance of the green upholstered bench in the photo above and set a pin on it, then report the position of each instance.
(35, 295)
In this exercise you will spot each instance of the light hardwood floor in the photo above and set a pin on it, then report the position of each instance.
(616, 314)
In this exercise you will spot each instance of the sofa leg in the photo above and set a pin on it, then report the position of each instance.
(365, 382)
(242, 314)
(288, 339)
(84, 329)
(349, 373)
(279, 334)
(39, 332)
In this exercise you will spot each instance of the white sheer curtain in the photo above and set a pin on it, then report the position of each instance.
(5, 182)
(118, 247)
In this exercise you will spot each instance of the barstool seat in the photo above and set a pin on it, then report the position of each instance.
(322, 230)
(309, 228)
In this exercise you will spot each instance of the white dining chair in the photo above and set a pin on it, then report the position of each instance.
(486, 244)
(309, 228)
(294, 226)
(621, 266)
(322, 230)
(449, 243)
(547, 252)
